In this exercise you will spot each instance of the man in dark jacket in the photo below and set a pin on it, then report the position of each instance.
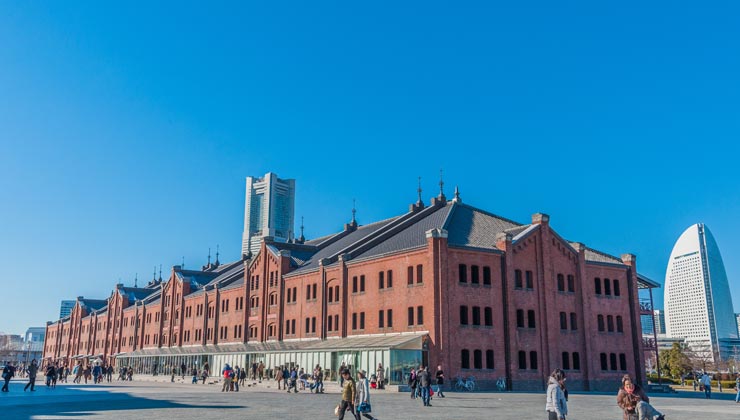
(8, 373)
(425, 383)
(32, 369)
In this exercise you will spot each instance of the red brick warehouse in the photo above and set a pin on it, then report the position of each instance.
(445, 284)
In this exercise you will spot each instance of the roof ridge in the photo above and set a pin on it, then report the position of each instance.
(488, 213)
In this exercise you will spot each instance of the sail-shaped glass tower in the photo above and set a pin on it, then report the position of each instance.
(698, 304)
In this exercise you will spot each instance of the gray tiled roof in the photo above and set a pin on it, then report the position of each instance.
(136, 293)
(598, 256)
(342, 243)
(93, 304)
(472, 227)
(413, 236)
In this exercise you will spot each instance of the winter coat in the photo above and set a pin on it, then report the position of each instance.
(556, 399)
(349, 391)
(363, 392)
(628, 402)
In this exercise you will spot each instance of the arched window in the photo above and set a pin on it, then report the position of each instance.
(604, 365)
(518, 284)
(563, 321)
(607, 287)
(622, 361)
(465, 359)
(576, 361)
(613, 361)
(486, 276)
(617, 292)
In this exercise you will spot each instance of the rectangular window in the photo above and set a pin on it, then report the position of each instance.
(381, 280)
(389, 276)
(362, 283)
(462, 273)
(354, 284)
(465, 359)
(561, 283)
(622, 361)
(381, 319)
(420, 315)
(308, 292)
(487, 277)
(530, 319)
(533, 360)
(313, 324)
(576, 361)
(489, 359)
(530, 280)
(474, 274)
(522, 360)
(354, 321)
(617, 292)
(600, 322)
(520, 318)
(410, 275)
(610, 323)
(314, 292)
(419, 274)
(476, 315)
(329, 323)
(597, 285)
(620, 324)
(477, 359)
(607, 287)
(563, 321)
(518, 279)
(488, 317)
(411, 316)
(613, 361)
(362, 320)
(308, 325)
(571, 283)
(566, 361)
(463, 315)
(573, 321)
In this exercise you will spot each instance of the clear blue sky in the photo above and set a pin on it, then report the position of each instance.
(126, 131)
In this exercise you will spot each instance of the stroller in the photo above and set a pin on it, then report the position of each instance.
(373, 381)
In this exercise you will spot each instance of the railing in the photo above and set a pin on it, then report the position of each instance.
(649, 344)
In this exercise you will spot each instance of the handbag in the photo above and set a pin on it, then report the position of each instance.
(364, 407)
(336, 410)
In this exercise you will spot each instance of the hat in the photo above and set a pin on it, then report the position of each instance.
(362, 372)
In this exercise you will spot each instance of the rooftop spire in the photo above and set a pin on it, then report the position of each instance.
(209, 256)
(354, 212)
(302, 239)
(457, 195)
(136, 279)
(441, 184)
(154, 274)
(217, 261)
(160, 272)
(418, 191)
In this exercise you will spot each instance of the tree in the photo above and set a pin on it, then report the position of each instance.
(675, 361)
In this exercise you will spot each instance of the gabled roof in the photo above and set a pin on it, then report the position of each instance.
(92, 304)
(602, 257)
(135, 293)
(472, 227)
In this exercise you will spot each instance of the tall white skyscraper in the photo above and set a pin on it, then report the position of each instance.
(698, 304)
(269, 210)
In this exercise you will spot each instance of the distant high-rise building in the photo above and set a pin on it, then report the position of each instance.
(648, 323)
(269, 211)
(697, 295)
(659, 321)
(737, 319)
(66, 308)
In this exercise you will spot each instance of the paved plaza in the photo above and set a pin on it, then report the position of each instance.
(154, 400)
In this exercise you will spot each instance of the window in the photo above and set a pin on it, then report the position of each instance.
(522, 360)
(563, 321)
(411, 316)
(474, 274)
(287, 327)
(489, 359)
(410, 275)
(613, 361)
(620, 325)
(289, 296)
(576, 361)
(419, 274)
(530, 279)
(530, 319)
(381, 319)
(329, 323)
(610, 323)
(573, 321)
(362, 283)
(571, 283)
(314, 291)
(617, 292)
(607, 287)
(487, 278)
(420, 315)
(381, 280)
(465, 359)
(463, 315)
(389, 276)
(354, 284)
(518, 279)
(566, 361)
(390, 318)
(600, 321)
(462, 273)
(561, 283)
(488, 317)
(533, 360)
(354, 321)
(362, 320)
(520, 318)
(329, 295)
(476, 315)
(477, 359)
(597, 285)
(336, 293)
(622, 361)
(308, 324)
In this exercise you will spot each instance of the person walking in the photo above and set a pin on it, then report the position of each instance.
(556, 406)
(412, 383)
(293, 380)
(349, 395)
(49, 373)
(183, 369)
(260, 371)
(425, 384)
(32, 369)
(341, 377)
(8, 373)
(362, 398)
(226, 375)
(635, 404)
(254, 371)
(706, 380)
(174, 372)
(279, 376)
(440, 377)
(380, 376)
(194, 374)
(109, 373)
